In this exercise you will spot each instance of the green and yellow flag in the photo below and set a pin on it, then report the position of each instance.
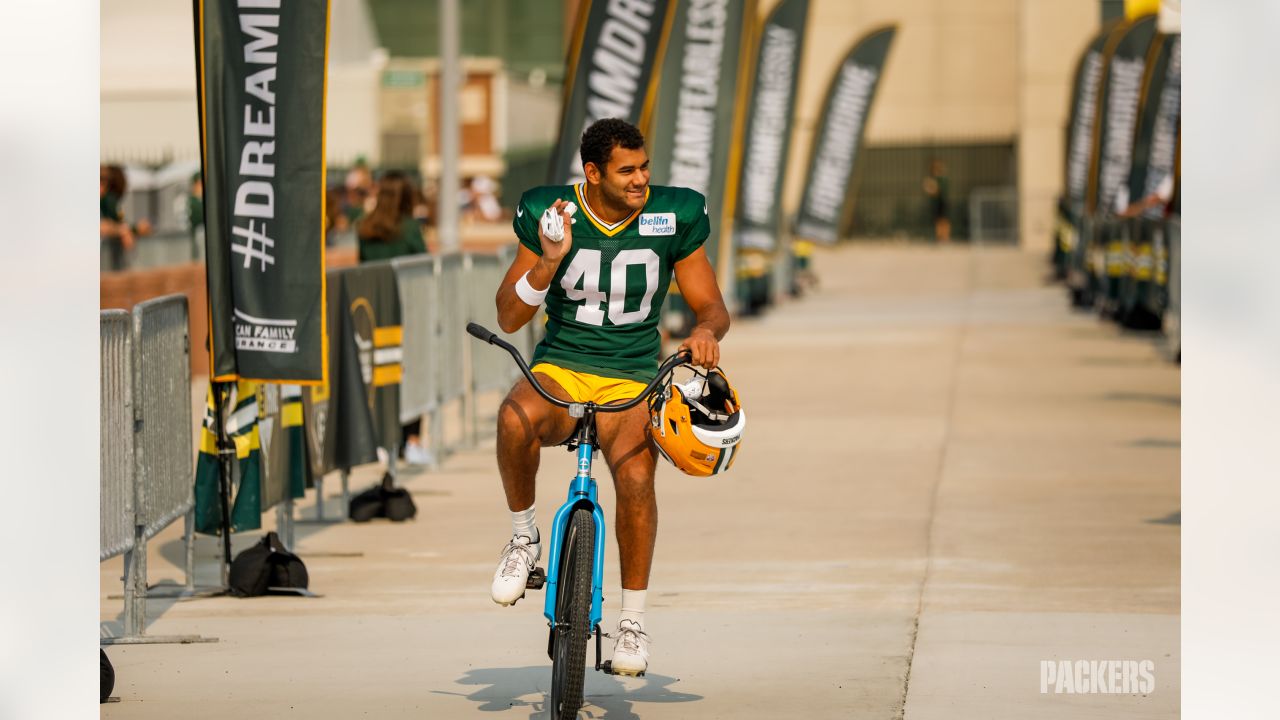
(246, 482)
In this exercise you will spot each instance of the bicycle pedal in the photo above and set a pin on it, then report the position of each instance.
(606, 667)
(536, 580)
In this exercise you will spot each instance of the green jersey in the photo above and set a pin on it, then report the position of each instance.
(605, 299)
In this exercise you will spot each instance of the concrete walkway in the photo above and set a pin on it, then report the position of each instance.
(948, 477)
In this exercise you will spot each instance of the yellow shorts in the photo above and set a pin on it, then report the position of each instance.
(585, 387)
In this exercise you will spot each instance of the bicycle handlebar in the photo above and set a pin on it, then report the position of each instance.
(482, 333)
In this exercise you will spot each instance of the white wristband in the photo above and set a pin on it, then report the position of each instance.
(527, 294)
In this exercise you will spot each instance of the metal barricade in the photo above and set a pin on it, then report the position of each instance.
(489, 370)
(993, 215)
(507, 254)
(419, 316)
(535, 331)
(156, 436)
(453, 348)
(116, 433)
(417, 276)
(527, 338)
(453, 323)
(521, 339)
(162, 412)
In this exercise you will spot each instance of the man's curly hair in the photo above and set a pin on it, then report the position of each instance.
(599, 140)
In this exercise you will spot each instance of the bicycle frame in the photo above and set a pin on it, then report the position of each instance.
(582, 489)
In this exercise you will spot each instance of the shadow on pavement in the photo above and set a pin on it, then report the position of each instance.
(607, 697)
(1171, 443)
(1156, 398)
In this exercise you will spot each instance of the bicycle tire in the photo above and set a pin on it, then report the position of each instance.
(573, 615)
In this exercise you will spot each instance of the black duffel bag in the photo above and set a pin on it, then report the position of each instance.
(383, 500)
(107, 680)
(267, 565)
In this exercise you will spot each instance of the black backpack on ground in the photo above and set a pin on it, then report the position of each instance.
(267, 565)
(108, 677)
(383, 500)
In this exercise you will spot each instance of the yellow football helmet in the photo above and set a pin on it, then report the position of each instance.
(697, 425)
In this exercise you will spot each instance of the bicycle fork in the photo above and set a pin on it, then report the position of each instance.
(582, 493)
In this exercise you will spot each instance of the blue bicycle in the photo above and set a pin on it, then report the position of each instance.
(575, 566)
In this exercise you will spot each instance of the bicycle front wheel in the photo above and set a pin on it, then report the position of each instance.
(573, 613)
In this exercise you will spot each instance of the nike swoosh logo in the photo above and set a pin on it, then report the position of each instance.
(704, 208)
(520, 211)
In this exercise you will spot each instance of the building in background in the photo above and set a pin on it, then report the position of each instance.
(513, 60)
(148, 95)
(982, 85)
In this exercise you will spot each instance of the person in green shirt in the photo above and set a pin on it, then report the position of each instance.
(390, 230)
(603, 285)
(195, 216)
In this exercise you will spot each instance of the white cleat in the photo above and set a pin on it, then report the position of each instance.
(518, 560)
(630, 649)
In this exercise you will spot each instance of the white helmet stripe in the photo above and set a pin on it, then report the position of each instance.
(722, 438)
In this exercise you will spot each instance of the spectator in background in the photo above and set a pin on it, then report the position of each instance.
(195, 216)
(389, 231)
(423, 210)
(117, 235)
(484, 200)
(336, 221)
(426, 210)
(359, 175)
(353, 204)
(466, 201)
(359, 185)
(936, 187)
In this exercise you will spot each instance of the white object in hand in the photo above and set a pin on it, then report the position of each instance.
(553, 225)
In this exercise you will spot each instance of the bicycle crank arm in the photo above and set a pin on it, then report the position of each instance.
(598, 663)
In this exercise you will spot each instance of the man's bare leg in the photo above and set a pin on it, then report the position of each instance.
(526, 422)
(632, 460)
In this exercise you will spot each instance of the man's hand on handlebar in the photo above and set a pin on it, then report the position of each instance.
(703, 347)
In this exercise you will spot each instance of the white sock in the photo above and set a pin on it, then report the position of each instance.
(633, 606)
(522, 523)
